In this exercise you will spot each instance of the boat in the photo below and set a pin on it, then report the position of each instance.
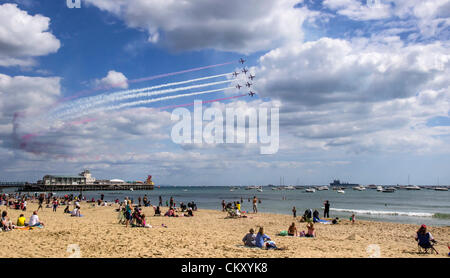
(310, 190)
(339, 184)
(441, 189)
(412, 187)
(131, 189)
(290, 187)
(259, 190)
(379, 188)
(341, 191)
(323, 188)
(359, 188)
(388, 190)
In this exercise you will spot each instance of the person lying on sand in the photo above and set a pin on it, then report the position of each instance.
(249, 239)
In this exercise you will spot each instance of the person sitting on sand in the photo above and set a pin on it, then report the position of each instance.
(21, 221)
(263, 240)
(170, 213)
(189, 213)
(249, 239)
(425, 239)
(307, 215)
(34, 220)
(157, 211)
(311, 230)
(144, 222)
(76, 212)
(292, 231)
(5, 222)
(335, 221)
(316, 217)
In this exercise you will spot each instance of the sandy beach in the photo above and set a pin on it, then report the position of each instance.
(206, 235)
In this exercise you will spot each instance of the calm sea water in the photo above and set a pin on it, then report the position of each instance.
(424, 206)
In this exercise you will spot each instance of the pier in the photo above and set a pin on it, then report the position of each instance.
(84, 187)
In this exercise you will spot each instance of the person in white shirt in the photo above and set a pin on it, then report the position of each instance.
(34, 220)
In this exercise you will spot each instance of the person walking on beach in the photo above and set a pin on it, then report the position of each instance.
(171, 202)
(294, 212)
(326, 212)
(255, 204)
(139, 200)
(41, 201)
(223, 205)
(55, 204)
(160, 201)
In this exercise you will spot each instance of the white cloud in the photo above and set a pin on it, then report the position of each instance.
(357, 10)
(23, 36)
(361, 95)
(240, 26)
(113, 79)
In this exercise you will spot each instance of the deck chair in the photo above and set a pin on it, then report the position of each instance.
(424, 243)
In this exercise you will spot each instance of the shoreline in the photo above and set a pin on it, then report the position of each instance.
(206, 235)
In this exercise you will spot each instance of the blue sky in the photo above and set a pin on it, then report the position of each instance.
(363, 89)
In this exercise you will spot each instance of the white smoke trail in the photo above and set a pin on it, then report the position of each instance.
(141, 102)
(106, 97)
(137, 95)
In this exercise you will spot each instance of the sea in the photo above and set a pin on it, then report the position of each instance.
(423, 206)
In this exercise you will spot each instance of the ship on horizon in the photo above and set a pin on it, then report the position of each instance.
(337, 183)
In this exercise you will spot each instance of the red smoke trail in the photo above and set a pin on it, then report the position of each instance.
(85, 92)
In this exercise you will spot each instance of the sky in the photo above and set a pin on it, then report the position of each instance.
(362, 88)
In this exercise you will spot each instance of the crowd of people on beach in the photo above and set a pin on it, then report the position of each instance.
(131, 214)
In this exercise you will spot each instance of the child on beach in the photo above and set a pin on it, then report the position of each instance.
(353, 218)
(21, 221)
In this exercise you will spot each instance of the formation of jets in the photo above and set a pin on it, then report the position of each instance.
(248, 84)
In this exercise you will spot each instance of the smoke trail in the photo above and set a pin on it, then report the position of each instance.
(141, 102)
(85, 92)
(136, 93)
(203, 102)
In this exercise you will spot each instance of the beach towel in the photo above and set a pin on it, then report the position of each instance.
(283, 233)
(24, 228)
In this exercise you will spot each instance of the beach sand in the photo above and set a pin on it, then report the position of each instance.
(206, 235)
